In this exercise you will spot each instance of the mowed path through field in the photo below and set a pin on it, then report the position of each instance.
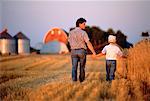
(48, 77)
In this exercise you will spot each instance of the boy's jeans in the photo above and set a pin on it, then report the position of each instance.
(110, 69)
(78, 55)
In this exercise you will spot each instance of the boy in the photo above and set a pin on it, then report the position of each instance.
(112, 51)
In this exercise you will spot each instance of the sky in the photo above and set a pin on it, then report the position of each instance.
(35, 17)
(0, 15)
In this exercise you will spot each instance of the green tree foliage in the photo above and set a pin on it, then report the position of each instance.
(121, 39)
(145, 34)
(97, 36)
(110, 31)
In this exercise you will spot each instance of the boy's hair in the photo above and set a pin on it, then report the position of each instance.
(80, 21)
(112, 39)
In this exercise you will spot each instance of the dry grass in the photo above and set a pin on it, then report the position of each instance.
(48, 77)
(136, 71)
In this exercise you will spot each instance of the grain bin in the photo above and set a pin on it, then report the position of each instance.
(7, 43)
(23, 44)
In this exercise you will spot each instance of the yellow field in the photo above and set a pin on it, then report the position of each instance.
(48, 78)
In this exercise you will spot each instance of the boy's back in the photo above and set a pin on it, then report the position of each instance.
(112, 51)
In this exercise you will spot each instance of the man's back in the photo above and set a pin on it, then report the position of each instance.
(78, 38)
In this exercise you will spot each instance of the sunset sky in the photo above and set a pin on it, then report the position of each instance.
(35, 17)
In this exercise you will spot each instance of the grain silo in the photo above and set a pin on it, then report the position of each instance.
(7, 43)
(22, 43)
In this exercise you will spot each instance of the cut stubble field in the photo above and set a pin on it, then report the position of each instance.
(48, 77)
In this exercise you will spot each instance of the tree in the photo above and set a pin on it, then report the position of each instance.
(121, 39)
(89, 31)
(145, 34)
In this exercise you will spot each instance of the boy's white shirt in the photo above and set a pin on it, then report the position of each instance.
(112, 51)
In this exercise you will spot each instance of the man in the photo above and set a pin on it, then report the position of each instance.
(78, 39)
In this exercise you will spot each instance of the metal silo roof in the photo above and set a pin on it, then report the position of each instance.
(20, 35)
(5, 35)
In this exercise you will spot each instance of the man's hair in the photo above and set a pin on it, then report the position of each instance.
(80, 21)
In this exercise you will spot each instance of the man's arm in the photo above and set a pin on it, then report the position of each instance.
(91, 47)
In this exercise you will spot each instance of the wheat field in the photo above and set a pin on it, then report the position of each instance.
(48, 78)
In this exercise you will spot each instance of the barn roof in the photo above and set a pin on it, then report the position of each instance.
(5, 35)
(55, 34)
(20, 35)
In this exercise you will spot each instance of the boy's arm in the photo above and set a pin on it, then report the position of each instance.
(100, 54)
(121, 54)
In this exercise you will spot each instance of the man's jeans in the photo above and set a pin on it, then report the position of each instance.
(78, 55)
(110, 69)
